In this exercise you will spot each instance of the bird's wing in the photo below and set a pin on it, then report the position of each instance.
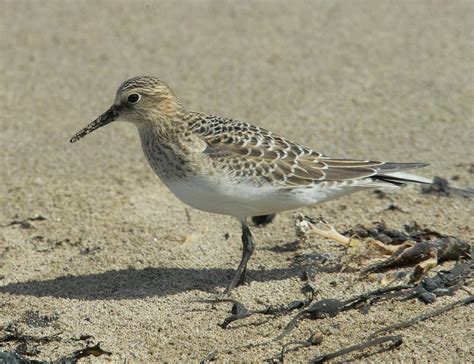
(246, 150)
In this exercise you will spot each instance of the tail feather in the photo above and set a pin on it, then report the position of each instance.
(400, 181)
(392, 173)
(388, 167)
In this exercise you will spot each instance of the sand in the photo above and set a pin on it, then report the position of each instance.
(116, 256)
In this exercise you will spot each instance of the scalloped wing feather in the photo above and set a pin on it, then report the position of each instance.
(249, 151)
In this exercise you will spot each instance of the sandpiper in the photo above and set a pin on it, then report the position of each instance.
(234, 168)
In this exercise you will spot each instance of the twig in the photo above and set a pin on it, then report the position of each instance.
(396, 341)
(422, 317)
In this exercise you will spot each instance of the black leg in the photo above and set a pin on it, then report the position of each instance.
(263, 220)
(247, 251)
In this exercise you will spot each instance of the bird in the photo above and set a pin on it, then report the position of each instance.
(229, 167)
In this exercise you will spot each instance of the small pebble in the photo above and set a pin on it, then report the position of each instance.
(316, 337)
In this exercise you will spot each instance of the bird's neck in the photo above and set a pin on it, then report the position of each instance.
(161, 128)
(162, 135)
(160, 143)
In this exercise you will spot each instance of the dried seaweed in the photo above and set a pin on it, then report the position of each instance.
(423, 317)
(211, 356)
(316, 338)
(414, 245)
(441, 187)
(431, 252)
(444, 283)
(324, 308)
(13, 334)
(28, 345)
(421, 247)
(35, 319)
(373, 341)
(15, 358)
(25, 223)
(239, 311)
(417, 246)
(395, 341)
(95, 350)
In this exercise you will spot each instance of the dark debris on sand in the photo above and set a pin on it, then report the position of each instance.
(29, 345)
(416, 246)
(424, 244)
(422, 247)
(13, 357)
(441, 187)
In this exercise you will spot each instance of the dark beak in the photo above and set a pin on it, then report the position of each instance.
(104, 119)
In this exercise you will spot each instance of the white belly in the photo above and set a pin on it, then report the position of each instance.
(243, 200)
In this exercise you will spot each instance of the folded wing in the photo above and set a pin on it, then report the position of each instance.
(245, 150)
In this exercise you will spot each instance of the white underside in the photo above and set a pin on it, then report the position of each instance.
(243, 200)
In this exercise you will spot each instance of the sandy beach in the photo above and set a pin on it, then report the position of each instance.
(94, 248)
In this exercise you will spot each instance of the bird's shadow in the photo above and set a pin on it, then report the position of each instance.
(138, 283)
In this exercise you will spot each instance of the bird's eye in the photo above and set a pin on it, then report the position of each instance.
(133, 98)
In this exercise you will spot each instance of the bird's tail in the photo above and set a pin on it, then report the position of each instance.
(395, 174)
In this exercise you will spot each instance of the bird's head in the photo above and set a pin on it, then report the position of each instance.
(138, 100)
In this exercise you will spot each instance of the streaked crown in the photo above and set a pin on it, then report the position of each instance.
(148, 96)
